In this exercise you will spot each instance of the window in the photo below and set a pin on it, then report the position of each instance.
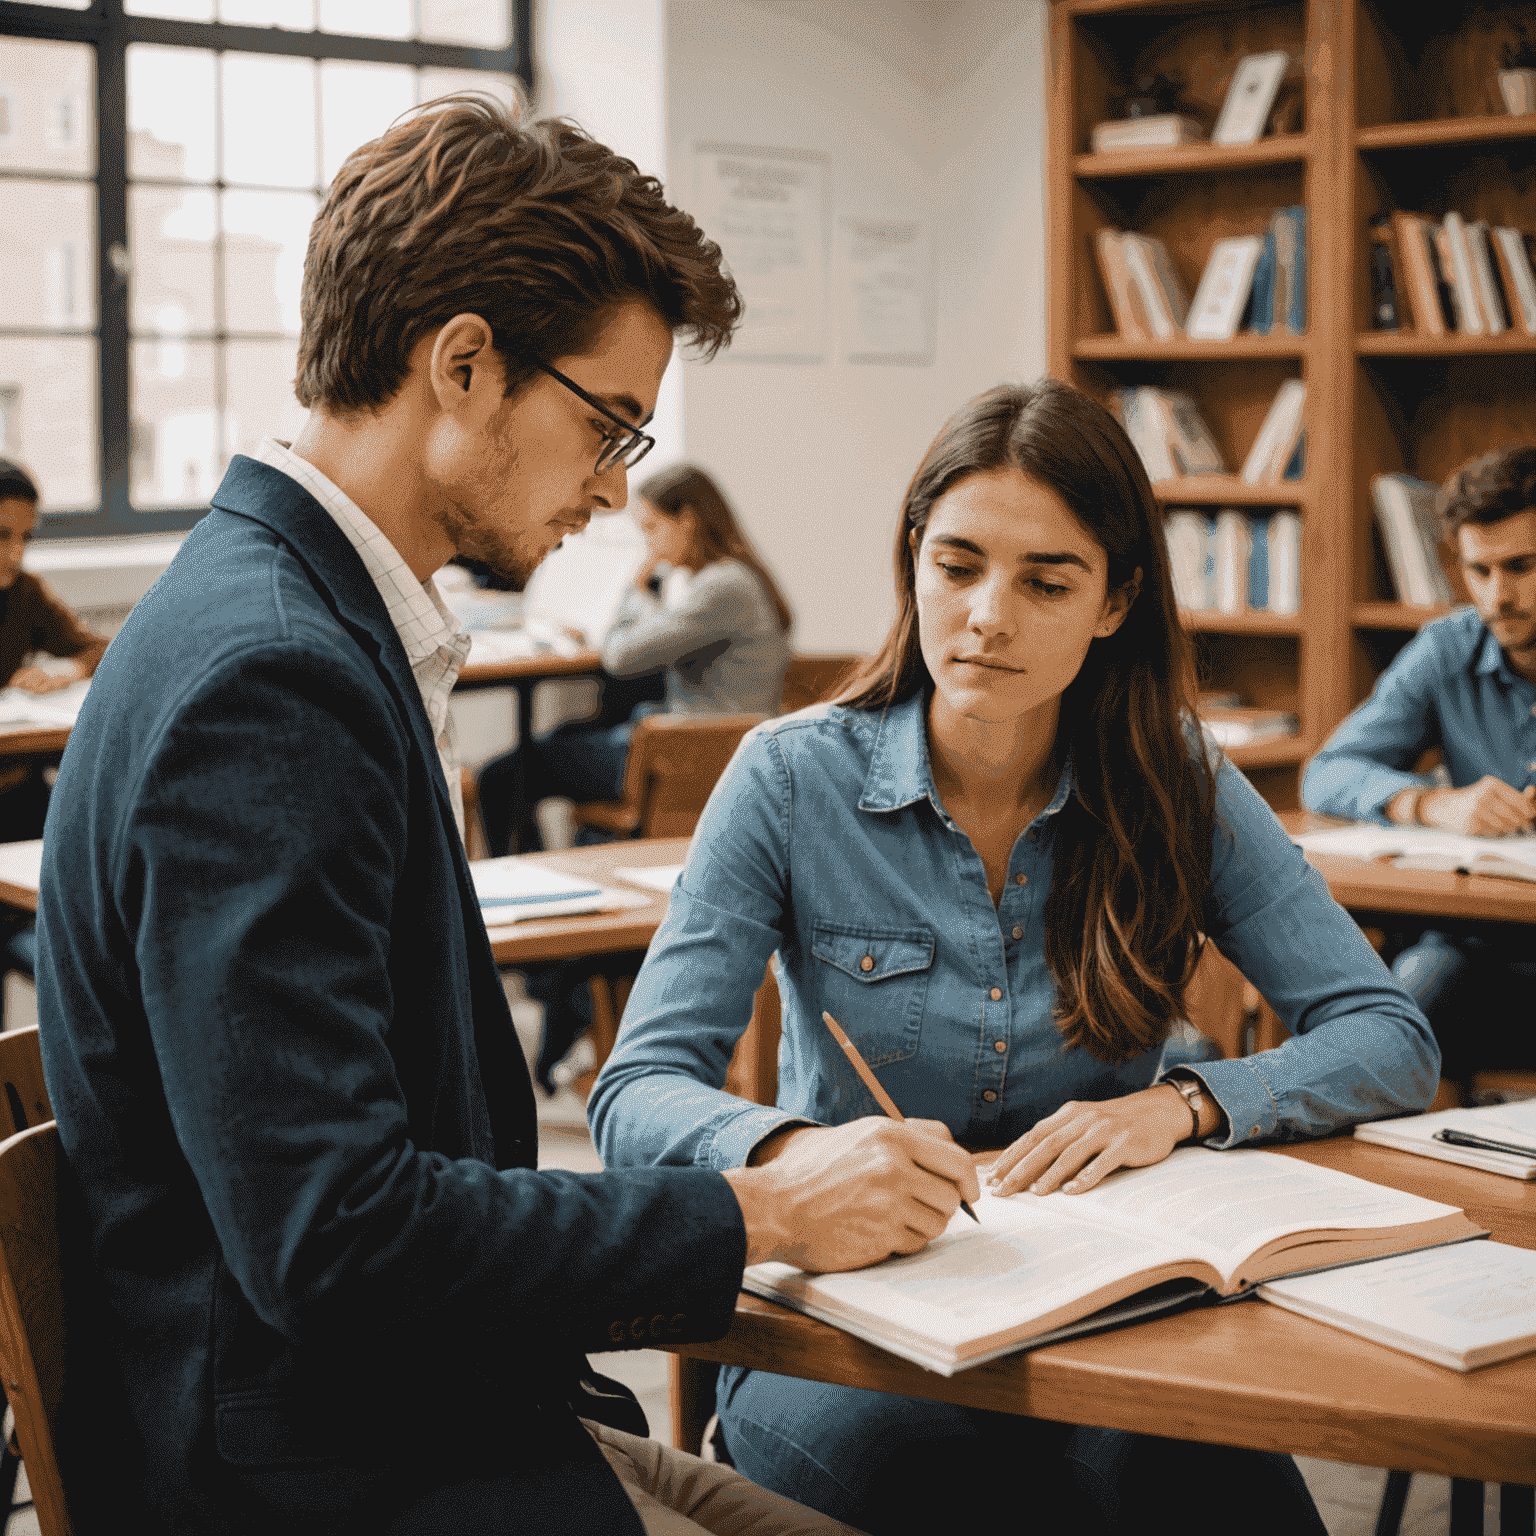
(160, 164)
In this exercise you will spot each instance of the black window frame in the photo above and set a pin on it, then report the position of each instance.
(106, 28)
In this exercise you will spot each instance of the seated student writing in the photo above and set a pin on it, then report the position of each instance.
(31, 619)
(1466, 685)
(704, 607)
(993, 862)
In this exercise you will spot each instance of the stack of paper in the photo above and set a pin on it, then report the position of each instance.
(513, 890)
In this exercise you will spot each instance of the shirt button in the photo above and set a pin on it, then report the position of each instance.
(990, 1096)
(1021, 879)
(867, 963)
(1018, 933)
(996, 993)
(999, 1046)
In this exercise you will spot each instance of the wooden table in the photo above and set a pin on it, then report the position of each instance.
(1373, 889)
(523, 675)
(1248, 1374)
(43, 741)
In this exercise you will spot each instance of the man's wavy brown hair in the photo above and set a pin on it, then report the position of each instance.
(1490, 488)
(539, 230)
(1132, 846)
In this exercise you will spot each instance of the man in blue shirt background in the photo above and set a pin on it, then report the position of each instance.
(1467, 686)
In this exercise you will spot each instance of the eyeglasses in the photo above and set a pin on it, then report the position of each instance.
(627, 450)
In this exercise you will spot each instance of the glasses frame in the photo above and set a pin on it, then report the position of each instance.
(615, 450)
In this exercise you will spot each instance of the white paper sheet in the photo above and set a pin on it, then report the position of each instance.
(656, 877)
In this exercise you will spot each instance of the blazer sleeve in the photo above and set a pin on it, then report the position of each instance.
(263, 872)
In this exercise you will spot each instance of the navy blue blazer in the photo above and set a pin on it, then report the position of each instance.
(303, 1216)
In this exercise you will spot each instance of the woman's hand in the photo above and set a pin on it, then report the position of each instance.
(1074, 1148)
(35, 680)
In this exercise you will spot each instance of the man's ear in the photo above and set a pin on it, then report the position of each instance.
(464, 366)
(1117, 605)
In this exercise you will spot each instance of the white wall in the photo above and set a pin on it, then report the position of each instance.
(932, 109)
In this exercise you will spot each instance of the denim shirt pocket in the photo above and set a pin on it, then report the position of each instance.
(874, 982)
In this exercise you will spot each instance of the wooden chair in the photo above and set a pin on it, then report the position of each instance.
(476, 844)
(674, 762)
(810, 679)
(32, 1311)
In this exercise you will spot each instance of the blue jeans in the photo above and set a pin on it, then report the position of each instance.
(893, 1465)
(1476, 991)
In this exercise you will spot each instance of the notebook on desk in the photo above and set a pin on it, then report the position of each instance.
(1512, 1124)
(1512, 858)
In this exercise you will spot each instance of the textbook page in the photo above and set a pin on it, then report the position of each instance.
(1464, 1306)
(1448, 849)
(21, 710)
(513, 890)
(1224, 1207)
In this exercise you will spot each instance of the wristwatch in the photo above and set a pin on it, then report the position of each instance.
(1192, 1091)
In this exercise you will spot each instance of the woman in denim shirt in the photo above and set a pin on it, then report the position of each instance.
(993, 863)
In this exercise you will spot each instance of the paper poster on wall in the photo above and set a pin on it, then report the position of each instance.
(885, 290)
(768, 210)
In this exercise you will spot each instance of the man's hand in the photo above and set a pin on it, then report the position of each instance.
(35, 680)
(1074, 1148)
(840, 1197)
(1489, 808)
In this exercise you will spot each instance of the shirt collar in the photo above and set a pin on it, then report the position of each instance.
(900, 772)
(1491, 660)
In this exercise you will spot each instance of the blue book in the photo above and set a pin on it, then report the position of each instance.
(1261, 295)
(1258, 562)
(1296, 465)
(1297, 319)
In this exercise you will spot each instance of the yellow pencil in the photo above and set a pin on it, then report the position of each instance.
(882, 1098)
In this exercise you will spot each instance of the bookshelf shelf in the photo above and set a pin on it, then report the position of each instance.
(1207, 622)
(1229, 491)
(1282, 752)
(1446, 131)
(1394, 616)
(1181, 159)
(1411, 344)
(1115, 348)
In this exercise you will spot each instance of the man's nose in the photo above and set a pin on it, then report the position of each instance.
(613, 488)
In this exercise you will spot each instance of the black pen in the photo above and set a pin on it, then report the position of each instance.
(1483, 1144)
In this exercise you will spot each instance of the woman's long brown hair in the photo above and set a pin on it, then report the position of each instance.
(1132, 847)
(717, 534)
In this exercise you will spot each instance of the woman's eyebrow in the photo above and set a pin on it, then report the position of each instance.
(1029, 557)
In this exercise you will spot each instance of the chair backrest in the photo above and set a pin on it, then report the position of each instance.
(21, 1079)
(674, 762)
(32, 1311)
(810, 679)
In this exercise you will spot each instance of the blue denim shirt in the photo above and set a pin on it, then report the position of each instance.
(827, 842)
(1449, 687)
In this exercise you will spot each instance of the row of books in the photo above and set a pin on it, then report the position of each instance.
(1232, 723)
(1410, 539)
(1469, 278)
(1170, 435)
(1235, 562)
(1258, 282)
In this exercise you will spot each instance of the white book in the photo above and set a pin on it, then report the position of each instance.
(1250, 97)
(1194, 449)
(1489, 299)
(1232, 548)
(1150, 425)
(1161, 131)
(1517, 262)
(1218, 302)
(1513, 1124)
(1470, 313)
(1037, 1267)
(1189, 535)
(1284, 535)
(513, 890)
(1463, 1307)
(23, 710)
(655, 877)
(1139, 263)
(1264, 461)
(1405, 514)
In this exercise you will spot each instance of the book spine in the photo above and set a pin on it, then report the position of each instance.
(1261, 296)
(1296, 314)
(1260, 572)
(1233, 546)
(1413, 243)
(1117, 284)
(1173, 292)
(1384, 280)
(1444, 264)
(1285, 563)
(1519, 279)
(1490, 298)
(1453, 241)
(1188, 534)
(1144, 282)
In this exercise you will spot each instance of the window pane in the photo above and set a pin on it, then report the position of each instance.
(177, 10)
(296, 15)
(65, 5)
(175, 426)
(171, 234)
(259, 392)
(48, 253)
(481, 23)
(170, 113)
(269, 120)
(47, 106)
(432, 83)
(265, 235)
(358, 102)
(48, 399)
(367, 18)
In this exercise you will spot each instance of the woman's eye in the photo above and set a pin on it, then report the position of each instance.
(1049, 588)
(955, 572)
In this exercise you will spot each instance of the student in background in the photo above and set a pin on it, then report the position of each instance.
(31, 619)
(1465, 685)
(704, 607)
(993, 862)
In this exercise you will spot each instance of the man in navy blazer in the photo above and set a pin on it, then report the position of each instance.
(315, 1280)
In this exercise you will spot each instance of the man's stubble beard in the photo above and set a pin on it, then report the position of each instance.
(473, 539)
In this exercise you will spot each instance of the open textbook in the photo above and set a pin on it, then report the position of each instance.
(1465, 1306)
(1038, 1268)
(21, 710)
(514, 890)
(1425, 848)
(1512, 1124)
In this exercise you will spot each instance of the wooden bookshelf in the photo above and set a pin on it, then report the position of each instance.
(1400, 111)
